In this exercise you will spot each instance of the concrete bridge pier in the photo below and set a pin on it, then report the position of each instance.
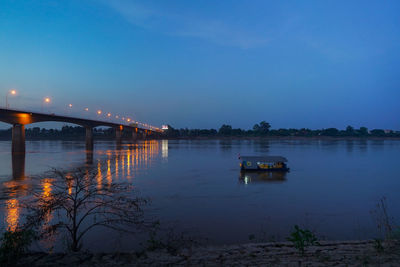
(89, 157)
(89, 138)
(18, 166)
(18, 138)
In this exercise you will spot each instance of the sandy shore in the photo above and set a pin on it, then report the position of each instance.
(340, 253)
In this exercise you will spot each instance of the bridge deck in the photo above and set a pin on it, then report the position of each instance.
(13, 116)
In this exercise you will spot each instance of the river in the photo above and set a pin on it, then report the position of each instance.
(196, 187)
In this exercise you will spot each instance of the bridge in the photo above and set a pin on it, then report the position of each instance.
(20, 118)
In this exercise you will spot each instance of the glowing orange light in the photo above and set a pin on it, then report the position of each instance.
(128, 120)
(99, 112)
(24, 118)
(109, 115)
(70, 105)
(12, 216)
(99, 176)
(47, 100)
(13, 92)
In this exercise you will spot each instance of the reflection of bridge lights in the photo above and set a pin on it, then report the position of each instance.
(47, 196)
(12, 217)
(99, 175)
(164, 149)
(109, 176)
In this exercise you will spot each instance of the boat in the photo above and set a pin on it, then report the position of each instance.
(265, 163)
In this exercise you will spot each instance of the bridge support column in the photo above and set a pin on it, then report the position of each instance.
(118, 134)
(89, 138)
(89, 157)
(18, 138)
(18, 166)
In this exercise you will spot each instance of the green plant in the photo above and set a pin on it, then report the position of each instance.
(302, 238)
(14, 244)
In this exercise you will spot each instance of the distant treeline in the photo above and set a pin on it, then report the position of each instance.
(264, 129)
(261, 129)
(66, 132)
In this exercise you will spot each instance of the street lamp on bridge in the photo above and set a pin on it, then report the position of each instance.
(11, 92)
(46, 100)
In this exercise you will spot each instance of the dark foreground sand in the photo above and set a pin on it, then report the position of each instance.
(345, 253)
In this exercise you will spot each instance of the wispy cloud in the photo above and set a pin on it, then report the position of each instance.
(212, 30)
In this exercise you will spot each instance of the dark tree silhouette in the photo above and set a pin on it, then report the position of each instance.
(79, 202)
(262, 128)
(225, 130)
(350, 130)
(363, 131)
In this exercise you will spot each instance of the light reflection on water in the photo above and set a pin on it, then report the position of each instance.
(257, 177)
(331, 188)
(12, 210)
(19, 183)
(46, 196)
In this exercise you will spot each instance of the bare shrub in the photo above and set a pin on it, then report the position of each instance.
(385, 223)
(79, 201)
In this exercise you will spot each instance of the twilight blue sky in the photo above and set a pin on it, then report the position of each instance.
(196, 64)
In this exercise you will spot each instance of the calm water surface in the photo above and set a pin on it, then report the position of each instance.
(196, 185)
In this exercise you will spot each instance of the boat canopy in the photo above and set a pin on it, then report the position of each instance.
(263, 159)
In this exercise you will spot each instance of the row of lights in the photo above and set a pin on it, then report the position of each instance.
(109, 115)
(47, 100)
(13, 92)
(129, 120)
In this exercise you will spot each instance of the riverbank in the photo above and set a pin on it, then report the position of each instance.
(328, 253)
